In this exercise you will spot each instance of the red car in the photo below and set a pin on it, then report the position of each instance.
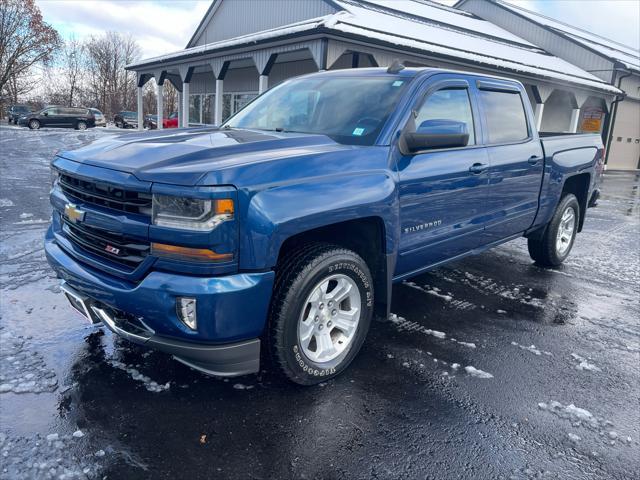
(171, 122)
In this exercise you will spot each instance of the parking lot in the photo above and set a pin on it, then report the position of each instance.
(490, 367)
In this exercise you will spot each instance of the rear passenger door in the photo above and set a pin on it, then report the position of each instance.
(516, 159)
(443, 191)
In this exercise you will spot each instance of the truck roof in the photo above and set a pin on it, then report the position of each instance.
(407, 72)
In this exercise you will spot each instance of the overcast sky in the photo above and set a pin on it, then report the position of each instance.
(163, 26)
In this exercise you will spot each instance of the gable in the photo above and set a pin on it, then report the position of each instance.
(233, 18)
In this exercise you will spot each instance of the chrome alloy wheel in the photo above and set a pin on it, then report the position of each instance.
(566, 231)
(329, 318)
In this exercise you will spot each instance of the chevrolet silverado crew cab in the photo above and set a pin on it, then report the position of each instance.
(282, 231)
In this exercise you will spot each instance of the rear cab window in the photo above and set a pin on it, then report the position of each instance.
(504, 115)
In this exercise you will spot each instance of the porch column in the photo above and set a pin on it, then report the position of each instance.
(263, 83)
(264, 64)
(140, 113)
(538, 115)
(186, 72)
(180, 109)
(581, 98)
(160, 98)
(220, 66)
(185, 105)
(541, 94)
(218, 102)
(575, 117)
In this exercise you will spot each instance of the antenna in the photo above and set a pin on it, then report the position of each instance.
(395, 67)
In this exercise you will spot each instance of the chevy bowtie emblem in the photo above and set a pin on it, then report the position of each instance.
(73, 213)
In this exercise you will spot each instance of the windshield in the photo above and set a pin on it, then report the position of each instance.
(350, 110)
(21, 109)
(129, 114)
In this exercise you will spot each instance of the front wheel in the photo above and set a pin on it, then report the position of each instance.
(320, 313)
(554, 246)
(34, 124)
(81, 125)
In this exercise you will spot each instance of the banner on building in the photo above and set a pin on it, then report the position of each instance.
(592, 120)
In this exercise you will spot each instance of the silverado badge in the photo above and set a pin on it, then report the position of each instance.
(73, 213)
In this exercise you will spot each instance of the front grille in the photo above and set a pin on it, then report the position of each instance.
(105, 195)
(109, 245)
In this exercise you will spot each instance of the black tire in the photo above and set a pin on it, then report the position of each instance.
(34, 124)
(81, 125)
(296, 278)
(543, 249)
(119, 125)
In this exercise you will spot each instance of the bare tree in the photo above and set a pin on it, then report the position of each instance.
(74, 68)
(149, 98)
(110, 87)
(25, 40)
(170, 98)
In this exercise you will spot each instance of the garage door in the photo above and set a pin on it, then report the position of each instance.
(625, 145)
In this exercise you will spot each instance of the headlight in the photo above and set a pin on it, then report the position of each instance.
(191, 213)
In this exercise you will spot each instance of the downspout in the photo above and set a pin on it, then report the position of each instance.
(614, 111)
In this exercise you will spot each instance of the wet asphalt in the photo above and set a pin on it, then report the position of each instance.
(490, 367)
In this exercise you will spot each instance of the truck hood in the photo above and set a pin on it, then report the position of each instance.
(183, 157)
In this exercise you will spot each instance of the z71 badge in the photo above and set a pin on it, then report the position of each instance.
(423, 226)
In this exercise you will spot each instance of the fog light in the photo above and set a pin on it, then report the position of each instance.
(187, 311)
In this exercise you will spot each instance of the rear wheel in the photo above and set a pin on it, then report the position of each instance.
(34, 124)
(554, 245)
(320, 313)
(81, 125)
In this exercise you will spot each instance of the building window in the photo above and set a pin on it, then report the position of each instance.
(202, 106)
(195, 108)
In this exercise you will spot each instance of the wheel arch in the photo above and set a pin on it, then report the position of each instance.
(578, 185)
(365, 236)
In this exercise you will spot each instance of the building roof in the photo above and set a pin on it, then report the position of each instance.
(418, 27)
(629, 57)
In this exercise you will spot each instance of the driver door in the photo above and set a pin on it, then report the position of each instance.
(443, 191)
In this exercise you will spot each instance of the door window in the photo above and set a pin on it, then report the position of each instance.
(505, 116)
(448, 104)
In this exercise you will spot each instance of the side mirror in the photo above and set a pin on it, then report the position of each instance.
(432, 134)
(46, 114)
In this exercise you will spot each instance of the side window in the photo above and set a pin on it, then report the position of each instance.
(505, 116)
(52, 111)
(448, 105)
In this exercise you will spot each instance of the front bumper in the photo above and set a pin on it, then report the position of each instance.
(231, 310)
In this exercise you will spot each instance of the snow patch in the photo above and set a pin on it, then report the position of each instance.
(474, 372)
(531, 348)
(5, 202)
(573, 437)
(22, 369)
(149, 384)
(583, 364)
(26, 215)
(404, 325)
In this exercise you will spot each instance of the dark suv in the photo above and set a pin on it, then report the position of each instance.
(53, 116)
(126, 119)
(16, 111)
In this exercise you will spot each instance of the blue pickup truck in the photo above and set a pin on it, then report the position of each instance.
(280, 234)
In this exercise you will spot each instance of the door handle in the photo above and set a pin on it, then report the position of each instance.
(478, 168)
(533, 159)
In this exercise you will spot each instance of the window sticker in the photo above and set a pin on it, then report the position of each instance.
(358, 131)
(397, 83)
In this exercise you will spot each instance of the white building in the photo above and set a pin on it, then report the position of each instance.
(242, 47)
